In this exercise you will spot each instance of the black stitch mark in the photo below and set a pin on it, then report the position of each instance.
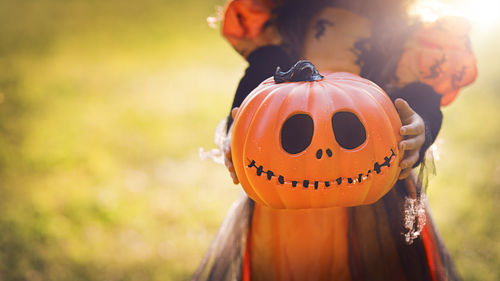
(435, 69)
(457, 78)
(377, 168)
(260, 170)
(329, 152)
(270, 174)
(387, 161)
(320, 27)
(281, 179)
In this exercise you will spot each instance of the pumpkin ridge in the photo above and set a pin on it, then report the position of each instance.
(354, 107)
(382, 118)
(267, 90)
(276, 89)
(286, 103)
(296, 90)
(255, 92)
(342, 79)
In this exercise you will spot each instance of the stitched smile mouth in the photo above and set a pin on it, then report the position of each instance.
(359, 178)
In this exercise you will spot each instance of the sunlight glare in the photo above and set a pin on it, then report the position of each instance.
(482, 13)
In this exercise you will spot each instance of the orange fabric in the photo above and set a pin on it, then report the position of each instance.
(245, 18)
(307, 244)
(432, 252)
(439, 54)
(245, 276)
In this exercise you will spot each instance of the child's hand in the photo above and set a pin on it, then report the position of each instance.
(228, 161)
(413, 133)
(229, 164)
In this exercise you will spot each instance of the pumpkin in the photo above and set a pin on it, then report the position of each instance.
(303, 140)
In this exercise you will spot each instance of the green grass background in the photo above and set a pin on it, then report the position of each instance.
(103, 106)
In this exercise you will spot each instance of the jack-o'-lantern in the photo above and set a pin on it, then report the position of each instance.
(303, 140)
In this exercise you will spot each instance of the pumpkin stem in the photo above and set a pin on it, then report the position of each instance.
(302, 71)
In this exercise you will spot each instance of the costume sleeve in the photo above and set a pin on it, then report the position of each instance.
(427, 103)
(262, 64)
(438, 54)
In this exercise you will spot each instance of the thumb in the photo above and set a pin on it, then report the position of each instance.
(234, 111)
(404, 109)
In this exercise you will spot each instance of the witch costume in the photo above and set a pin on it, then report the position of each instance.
(426, 64)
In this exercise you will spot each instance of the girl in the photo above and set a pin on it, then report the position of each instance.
(420, 66)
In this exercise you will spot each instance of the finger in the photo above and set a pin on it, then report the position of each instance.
(412, 129)
(404, 109)
(227, 152)
(404, 173)
(234, 111)
(228, 162)
(414, 143)
(409, 160)
(229, 166)
(235, 178)
(232, 172)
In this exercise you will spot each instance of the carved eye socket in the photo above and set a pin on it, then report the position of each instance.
(297, 133)
(348, 130)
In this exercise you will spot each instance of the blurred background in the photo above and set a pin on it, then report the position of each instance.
(103, 107)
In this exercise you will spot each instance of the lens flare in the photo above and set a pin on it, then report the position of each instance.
(481, 13)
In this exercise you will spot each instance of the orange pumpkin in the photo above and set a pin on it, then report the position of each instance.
(302, 140)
